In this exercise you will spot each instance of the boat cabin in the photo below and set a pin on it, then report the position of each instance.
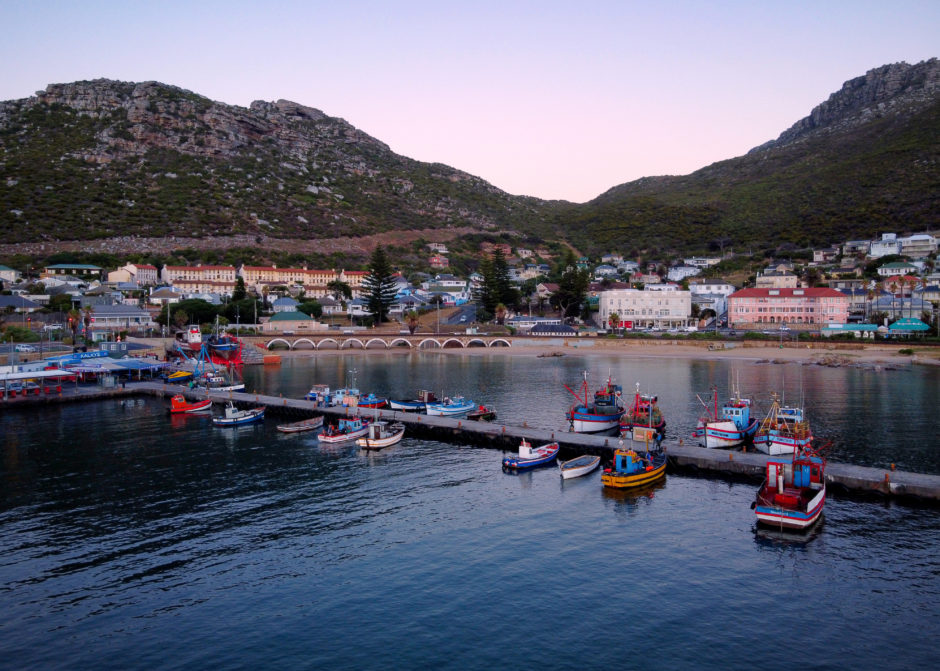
(788, 477)
(629, 462)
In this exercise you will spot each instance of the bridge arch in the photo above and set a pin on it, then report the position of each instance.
(312, 344)
(399, 342)
(452, 343)
(282, 341)
(324, 341)
(429, 343)
(476, 342)
(500, 342)
(374, 340)
(350, 342)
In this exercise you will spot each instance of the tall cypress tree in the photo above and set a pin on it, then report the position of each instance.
(379, 286)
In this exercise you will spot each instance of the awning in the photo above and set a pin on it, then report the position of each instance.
(908, 325)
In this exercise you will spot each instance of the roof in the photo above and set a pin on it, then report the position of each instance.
(290, 317)
(810, 292)
(18, 302)
(552, 328)
(83, 266)
(898, 264)
(909, 324)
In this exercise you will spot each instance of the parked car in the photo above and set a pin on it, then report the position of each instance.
(25, 348)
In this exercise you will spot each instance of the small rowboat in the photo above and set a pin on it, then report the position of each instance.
(179, 404)
(575, 468)
(303, 425)
(531, 457)
(382, 434)
(233, 416)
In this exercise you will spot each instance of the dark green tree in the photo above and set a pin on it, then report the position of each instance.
(572, 288)
(239, 293)
(379, 286)
(505, 291)
(312, 308)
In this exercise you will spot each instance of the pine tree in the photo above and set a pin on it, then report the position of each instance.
(379, 286)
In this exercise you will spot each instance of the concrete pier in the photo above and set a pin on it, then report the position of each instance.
(858, 480)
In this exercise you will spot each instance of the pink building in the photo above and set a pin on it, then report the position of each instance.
(787, 306)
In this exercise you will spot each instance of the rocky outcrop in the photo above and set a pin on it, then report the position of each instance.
(893, 89)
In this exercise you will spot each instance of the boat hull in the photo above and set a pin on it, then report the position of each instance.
(379, 443)
(304, 425)
(790, 517)
(439, 410)
(250, 416)
(343, 436)
(725, 434)
(179, 405)
(546, 455)
(588, 422)
(778, 445)
(407, 406)
(579, 466)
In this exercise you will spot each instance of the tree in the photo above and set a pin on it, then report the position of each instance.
(239, 293)
(572, 288)
(75, 317)
(87, 318)
(312, 308)
(411, 319)
(500, 314)
(180, 318)
(614, 320)
(379, 286)
(339, 288)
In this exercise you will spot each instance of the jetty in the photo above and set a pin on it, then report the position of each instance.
(842, 478)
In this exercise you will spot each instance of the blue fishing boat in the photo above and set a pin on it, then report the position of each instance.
(418, 404)
(727, 427)
(784, 430)
(601, 414)
(451, 407)
(234, 417)
(372, 401)
(531, 457)
(345, 429)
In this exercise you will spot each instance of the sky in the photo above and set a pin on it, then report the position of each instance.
(558, 100)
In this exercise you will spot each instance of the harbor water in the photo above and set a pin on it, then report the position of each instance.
(133, 540)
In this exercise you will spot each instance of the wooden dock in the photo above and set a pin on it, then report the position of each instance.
(843, 478)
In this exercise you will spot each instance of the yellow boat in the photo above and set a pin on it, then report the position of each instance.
(631, 469)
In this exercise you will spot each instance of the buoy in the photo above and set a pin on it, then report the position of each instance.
(730, 456)
(892, 467)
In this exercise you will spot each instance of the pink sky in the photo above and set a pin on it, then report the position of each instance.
(549, 99)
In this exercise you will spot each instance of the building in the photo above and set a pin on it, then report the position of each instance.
(787, 306)
(284, 304)
(315, 283)
(888, 244)
(777, 279)
(712, 287)
(438, 261)
(679, 273)
(9, 275)
(646, 309)
(826, 255)
(120, 318)
(896, 269)
(524, 324)
(142, 274)
(918, 246)
(438, 247)
(200, 279)
(292, 323)
(702, 261)
(82, 270)
(553, 330)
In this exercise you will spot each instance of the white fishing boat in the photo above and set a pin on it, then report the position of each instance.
(451, 407)
(575, 468)
(233, 416)
(382, 434)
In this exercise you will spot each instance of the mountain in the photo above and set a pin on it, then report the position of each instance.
(116, 162)
(99, 159)
(867, 160)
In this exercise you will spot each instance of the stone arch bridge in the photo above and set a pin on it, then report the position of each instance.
(364, 341)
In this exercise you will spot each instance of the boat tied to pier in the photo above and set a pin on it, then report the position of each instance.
(631, 469)
(531, 457)
(233, 416)
(643, 413)
(603, 413)
(794, 492)
(308, 424)
(344, 430)
(783, 430)
(381, 434)
(450, 407)
(417, 404)
(727, 427)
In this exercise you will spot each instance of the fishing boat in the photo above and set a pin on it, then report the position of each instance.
(372, 401)
(451, 407)
(381, 434)
(631, 469)
(190, 339)
(575, 468)
(346, 429)
(531, 457)
(783, 430)
(643, 413)
(320, 395)
(308, 424)
(179, 404)
(601, 414)
(179, 376)
(482, 413)
(218, 382)
(418, 404)
(233, 416)
(728, 426)
(794, 492)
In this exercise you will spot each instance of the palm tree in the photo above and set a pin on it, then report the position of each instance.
(87, 319)
(75, 316)
(613, 320)
(500, 313)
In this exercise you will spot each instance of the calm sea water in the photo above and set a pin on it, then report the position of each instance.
(129, 539)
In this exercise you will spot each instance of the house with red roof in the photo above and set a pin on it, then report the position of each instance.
(757, 307)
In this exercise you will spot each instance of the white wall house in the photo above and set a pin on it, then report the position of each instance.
(888, 244)
(661, 309)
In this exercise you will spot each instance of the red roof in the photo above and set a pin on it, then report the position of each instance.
(814, 292)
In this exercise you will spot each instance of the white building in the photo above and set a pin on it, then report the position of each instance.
(646, 309)
(889, 244)
(918, 246)
(679, 273)
(702, 261)
(141, 273)
(712, 287)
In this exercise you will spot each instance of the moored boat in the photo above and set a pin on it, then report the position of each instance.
(794, 492)
(381, 434)
(631, 469)
(575, 468)
(601, 414)
(451, 407)
(344, 430)
(727, 427)
(418, 404)
(643, 413)
(482, 413)
(308, 424)
(320, 395)
(218, 382)
(783, 430)
(531, 457)
(179, 404)
(372, 401)
(179, 376)
(233, 416)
